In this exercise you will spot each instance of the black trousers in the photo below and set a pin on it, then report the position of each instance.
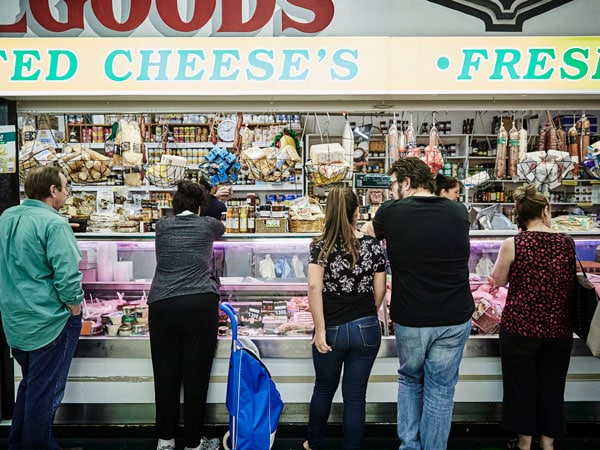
(183, 339)
(534, 371)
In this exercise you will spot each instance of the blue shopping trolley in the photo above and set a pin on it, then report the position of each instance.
(253, 401)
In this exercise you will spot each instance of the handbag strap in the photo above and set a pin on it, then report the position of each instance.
(577, 258)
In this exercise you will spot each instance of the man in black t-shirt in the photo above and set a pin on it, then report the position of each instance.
(427, 239)
(217, 196)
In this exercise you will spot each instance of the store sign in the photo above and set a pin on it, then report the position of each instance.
(232, 16)
(289, 66)
(8, 153)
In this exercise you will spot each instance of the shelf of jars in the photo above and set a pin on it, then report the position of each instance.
(183, 128)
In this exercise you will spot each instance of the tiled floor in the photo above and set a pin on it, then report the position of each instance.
(378, 437)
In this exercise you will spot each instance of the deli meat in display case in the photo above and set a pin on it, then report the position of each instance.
(264, 277)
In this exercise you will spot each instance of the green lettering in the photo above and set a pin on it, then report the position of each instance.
(23, 62)
(222, 69)
(292, 65)
(596, 75)
(109, 64)
(161, 64)
(506, 59)
(71, 65)
(538, 59)
(471, 61)
(187, 61)
(572, 61)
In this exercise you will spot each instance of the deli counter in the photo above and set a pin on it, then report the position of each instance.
(264, 277)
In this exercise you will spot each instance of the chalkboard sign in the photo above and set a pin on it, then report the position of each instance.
(9, 190)
(371, 180)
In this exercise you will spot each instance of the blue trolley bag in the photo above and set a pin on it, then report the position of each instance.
(253, 401)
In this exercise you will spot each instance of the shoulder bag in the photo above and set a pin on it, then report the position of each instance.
(583, 302)
(593, 339)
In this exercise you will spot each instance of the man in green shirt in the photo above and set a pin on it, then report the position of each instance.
(40, 302)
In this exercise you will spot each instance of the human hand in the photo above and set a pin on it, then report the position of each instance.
(224, 193)
(493, 287)
(75, 309)
(320, 342)
(367, 228)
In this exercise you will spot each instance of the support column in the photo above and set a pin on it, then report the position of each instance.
(9, 196)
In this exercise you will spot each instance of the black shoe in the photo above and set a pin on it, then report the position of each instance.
(512, 445)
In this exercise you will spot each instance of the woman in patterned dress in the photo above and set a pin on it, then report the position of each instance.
(536, 333)
(346, 285)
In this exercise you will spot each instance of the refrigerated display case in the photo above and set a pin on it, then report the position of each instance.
(110, 380)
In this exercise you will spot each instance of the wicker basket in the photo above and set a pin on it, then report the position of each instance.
(306, 226)
(326, 173)
(165, 176)
(33, 160)
(271, 225)
(267, 170)
(82, 165)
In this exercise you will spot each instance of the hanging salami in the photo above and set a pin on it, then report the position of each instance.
(522, 142)
(393, 142)
(501, 144)
(541, 144)
(573, 149)
(513, 150)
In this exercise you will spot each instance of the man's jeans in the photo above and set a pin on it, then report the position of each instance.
(41, 389)
(429, 360)
(355, 345)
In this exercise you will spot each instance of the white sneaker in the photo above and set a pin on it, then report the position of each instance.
(209, 444)
(166, 444)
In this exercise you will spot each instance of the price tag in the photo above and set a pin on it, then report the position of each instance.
(281, 309)
(267, 306)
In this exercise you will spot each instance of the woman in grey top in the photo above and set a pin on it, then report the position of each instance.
(183, 317)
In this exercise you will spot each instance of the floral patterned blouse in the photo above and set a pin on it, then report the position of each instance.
(347, 290)
(541, 282)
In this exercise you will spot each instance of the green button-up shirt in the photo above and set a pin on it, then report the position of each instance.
(39, 274)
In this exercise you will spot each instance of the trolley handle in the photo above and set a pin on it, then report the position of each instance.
(228, 309)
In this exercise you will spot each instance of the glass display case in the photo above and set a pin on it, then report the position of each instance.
(111, 376)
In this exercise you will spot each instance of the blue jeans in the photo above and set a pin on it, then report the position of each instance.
(41, 389)
(355, 345)
(429, 360)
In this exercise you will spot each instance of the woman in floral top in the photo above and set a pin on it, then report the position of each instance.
(346, 285)
(536, 334)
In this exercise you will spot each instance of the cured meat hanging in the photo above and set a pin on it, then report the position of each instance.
(513, 151)
(433, 157)
(393, 141)
(573, 147)
(501, 144)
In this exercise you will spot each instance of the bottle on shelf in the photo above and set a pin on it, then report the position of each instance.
(243, 219)
(251, 219)
(228, 220)
(235, 220)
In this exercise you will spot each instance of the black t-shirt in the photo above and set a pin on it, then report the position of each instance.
(347, 289)
(214, 208)
(427, 243)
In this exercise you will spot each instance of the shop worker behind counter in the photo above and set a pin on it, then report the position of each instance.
(183, 317)
(217, 196)
(427, 238)
(40, 302)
